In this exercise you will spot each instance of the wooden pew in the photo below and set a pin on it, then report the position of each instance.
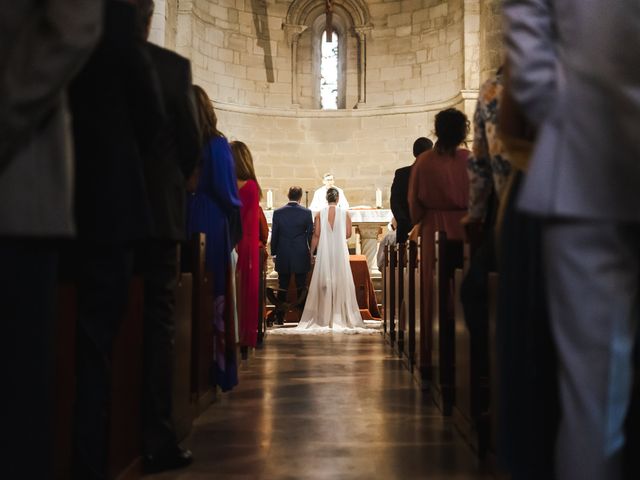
(184, 411)
(126, 389)
(125, 419)
(201, 330)
(399, 251)
(632, 460)
(262, 296)
(412, 302)
(463, 412)
(448, 257)
(124, 415)
(389, 282)
(64, 380)
(470, 413)
(494, 406)
(385, 293)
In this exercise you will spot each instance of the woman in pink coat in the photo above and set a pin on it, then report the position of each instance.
(438, 199)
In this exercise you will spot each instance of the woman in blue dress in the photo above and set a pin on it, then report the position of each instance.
(213, 209)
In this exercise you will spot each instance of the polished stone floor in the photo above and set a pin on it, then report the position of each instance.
(322, 408)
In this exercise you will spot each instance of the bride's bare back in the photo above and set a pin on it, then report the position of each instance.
(331, 218)
(331, 302)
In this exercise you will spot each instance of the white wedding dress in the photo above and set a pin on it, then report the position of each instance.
(331, 304)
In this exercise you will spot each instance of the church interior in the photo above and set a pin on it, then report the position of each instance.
(445, 386)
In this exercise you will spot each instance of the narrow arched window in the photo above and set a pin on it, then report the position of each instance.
(329, 73)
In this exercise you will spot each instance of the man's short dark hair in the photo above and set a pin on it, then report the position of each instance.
(295, 194)
(145, 13)
(421, 145)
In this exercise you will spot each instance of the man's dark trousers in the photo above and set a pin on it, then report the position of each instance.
(283, 283)
(160, 263)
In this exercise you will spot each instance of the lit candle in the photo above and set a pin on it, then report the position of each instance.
(269, 199)
(378, 198)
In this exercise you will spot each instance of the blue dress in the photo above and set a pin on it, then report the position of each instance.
(211, 208)
(213, 204)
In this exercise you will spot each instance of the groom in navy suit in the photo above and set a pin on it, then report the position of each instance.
(292, 229)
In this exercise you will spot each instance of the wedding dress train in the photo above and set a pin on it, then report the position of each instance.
(331, 304)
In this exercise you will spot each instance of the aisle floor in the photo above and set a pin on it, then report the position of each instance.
(332, 407)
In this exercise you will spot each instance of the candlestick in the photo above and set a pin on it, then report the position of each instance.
(378, 198)
(269, 200)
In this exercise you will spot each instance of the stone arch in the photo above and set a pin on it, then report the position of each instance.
(300, 11)
(351, 20)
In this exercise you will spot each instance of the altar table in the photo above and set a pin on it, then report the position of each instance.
(367, 223)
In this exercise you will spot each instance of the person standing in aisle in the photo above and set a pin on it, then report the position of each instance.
(170, 161)
(43, 44)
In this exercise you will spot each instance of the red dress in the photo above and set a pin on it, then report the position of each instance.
(248, 268)
(438, 199)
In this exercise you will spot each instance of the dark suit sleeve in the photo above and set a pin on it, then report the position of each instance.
(186, 120)
(145, 97)
(397, 202)
(309, 228)
(275, 233)
(416, 209)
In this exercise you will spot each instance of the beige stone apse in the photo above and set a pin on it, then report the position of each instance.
(399, 63)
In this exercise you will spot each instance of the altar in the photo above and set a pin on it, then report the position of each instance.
(366, 223)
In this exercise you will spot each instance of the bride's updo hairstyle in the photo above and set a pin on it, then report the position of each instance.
(332, 195)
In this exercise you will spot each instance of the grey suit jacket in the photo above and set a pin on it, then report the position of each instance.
(574, 70)
(43, 43)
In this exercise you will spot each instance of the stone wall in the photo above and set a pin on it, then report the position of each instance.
(490, 37)
(421, 56)
(241, 55)
(362, 148)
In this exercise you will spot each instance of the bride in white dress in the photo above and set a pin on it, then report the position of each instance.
(331, 302)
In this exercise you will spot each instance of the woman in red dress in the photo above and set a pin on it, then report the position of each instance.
(438, 199)
(248, 269)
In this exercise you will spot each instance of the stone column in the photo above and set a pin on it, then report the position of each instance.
(471, 42)
(184, 28)
(292, 32)
(362, 32)
(469, 101)
(369, 245)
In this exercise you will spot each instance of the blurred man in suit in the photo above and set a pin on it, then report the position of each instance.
(117, 114)
(400, 191)
(291, 232)
(575, 73)
(43, 43)
(170, 161)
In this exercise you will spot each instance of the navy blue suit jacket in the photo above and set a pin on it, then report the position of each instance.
(291, 232)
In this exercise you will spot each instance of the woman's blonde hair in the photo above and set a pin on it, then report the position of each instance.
(244, 163)
(206, 116)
